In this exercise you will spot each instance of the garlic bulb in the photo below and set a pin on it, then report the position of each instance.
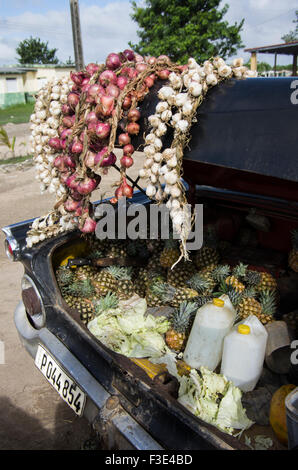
(211, 79)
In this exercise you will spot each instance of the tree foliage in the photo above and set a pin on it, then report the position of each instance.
(292, 36)
(185, 28)
(35, 51)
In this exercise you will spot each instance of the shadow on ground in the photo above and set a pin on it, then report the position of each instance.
(20, 431)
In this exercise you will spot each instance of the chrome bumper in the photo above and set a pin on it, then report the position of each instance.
(103, 410)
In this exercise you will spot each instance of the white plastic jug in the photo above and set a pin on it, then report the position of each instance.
(211, 324)
(244, 353)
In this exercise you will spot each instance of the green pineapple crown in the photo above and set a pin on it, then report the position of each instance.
(240, 270)
(163, 290)
(65, 275)
(234, 295)
(199, 282)
(96, 254)
(181, 317)
(108, 302)
(82, 288)
(268, 301)
(221, 272)
(253, 278)
(119, 272)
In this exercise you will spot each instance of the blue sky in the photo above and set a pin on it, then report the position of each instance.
(107, 26)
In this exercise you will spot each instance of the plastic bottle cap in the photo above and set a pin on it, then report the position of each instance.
(218, 302)
(243, 329)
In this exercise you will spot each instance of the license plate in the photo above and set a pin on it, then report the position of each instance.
(60, 380)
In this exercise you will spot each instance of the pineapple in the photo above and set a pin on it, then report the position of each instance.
(117, 249)
(140, 280)
(104, 281)
(180, 323)
(81, 289)
(234, 280)
(267, 299)
(201, 283)
(293, 255)
(124, 286)
(84, 272)
(249, 306)
(173, 296)
(178, 276)
(267, 282)
(64, 277)
(206, 256)
(252, 278)
(169, 254)
(220, 272)
(83, 306)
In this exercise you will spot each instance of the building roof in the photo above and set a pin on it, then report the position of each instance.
(289, 48)
(14, 70)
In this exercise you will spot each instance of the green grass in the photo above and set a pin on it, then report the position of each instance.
(16, 114)
(8, 161)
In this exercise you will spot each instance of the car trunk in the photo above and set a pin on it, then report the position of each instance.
(241, 167)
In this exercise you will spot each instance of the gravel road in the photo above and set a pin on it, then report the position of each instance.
(32, 416)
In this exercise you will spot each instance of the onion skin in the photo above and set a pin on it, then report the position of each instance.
(77, 147)
(113, 61)
(126, 102)
(107, 77)
(127, 190)
(71, 205)
(92, 68)
(68, 121)
(103, 159)
(133, 128)
(128, 149)
(126, 161)
(87, 185)
(124, 139)
(73, 99)
(89, 226)
(133, 115)
(129, 55)
(102, 130)
(163, 74)
(122, 82)
(112, 90)
(55, 143)
(106, 106)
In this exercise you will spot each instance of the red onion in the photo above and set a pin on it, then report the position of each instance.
(85, 88)
(163, 74)
(75, 195)
(133, 128)
(129, 54)
(77, 77)
(129, 72)
(164, 58)
(182, 68)
(124, 139)
(150, 60)
(89, 225)
(133, 115)
(127, 190)
(106, 106)
(59, 163)
(89, 160)
(95, 90)
(128, 149)
(113, 61)
(112, 90)
(126, 161)
(122, 82)
(119, 192)
(66, 109)
(103, 130)
(69, 161)
(139, 58)
(92, 68)
(149, 82)
(91, 118)
(107, 77)
(65, 133)
(87, 185)
(92, 127)
(126, 102)
(55, 143)
(73, 99)
(71, 205)
(141, 67)
(68, 121)
(77, 147)
(64, 177)
(72, 181)
(103, 159)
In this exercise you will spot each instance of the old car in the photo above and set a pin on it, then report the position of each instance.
(241, 165)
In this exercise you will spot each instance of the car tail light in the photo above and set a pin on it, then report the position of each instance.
(10, 249)
(33, 303)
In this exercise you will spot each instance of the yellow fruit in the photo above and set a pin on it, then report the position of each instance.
(232, 281)
(277, 414)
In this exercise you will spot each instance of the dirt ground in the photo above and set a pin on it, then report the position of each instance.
(32, 416)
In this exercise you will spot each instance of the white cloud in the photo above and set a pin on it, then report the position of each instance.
(109, 28)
